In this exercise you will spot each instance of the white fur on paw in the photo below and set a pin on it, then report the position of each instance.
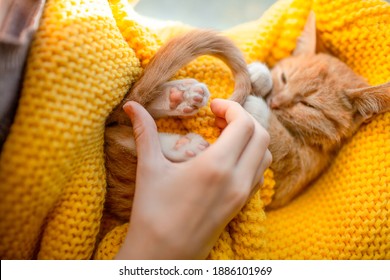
(261, 78)
(187, 96)
(258, 108)
(179, 98)
(180, 148)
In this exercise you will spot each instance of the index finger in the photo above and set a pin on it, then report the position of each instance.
(145, 132)
(239, 130)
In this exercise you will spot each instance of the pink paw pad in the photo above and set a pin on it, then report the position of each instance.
(190, 153)
(182, 141)
(175, 97)
(188, 110)
(202, 147)
(185, 147)
(187, 96)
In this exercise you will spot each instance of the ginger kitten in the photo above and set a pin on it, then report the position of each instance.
(317, 103)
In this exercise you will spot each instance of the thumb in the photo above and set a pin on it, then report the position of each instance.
(145, 131)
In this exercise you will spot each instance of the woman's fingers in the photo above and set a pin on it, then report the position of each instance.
(243, 143)
(145, 132)
(235, 136)
(254, 153)
(220, 122)
(258, 180)
(264, 164)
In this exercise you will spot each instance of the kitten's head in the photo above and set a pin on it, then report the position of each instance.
(320, 99)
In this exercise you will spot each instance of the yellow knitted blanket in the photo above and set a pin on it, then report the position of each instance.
(84, 58)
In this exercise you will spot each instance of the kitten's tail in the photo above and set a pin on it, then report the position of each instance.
(183, 49)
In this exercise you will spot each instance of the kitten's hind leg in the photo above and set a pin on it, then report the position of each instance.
(120, 143)
(261, 79)
(179, 98)
(180, 148)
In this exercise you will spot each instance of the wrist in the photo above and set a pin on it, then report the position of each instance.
(152, 245)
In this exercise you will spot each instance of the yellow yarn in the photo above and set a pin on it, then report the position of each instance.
(52, 170)
(83, 60)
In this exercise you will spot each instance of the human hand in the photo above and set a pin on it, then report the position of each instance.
(180, 209)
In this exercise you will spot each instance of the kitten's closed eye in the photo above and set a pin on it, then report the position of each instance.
(306, 104)
(283, 78)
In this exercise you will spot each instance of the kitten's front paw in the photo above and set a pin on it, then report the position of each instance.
(261, 79)
(257, 107)
(186, 96)
(183, 147)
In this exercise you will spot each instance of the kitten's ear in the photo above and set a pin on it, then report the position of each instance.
(370, 101)
(306, 43)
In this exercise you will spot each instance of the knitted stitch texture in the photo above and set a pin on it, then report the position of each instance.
(83, 60)
(52, 169)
